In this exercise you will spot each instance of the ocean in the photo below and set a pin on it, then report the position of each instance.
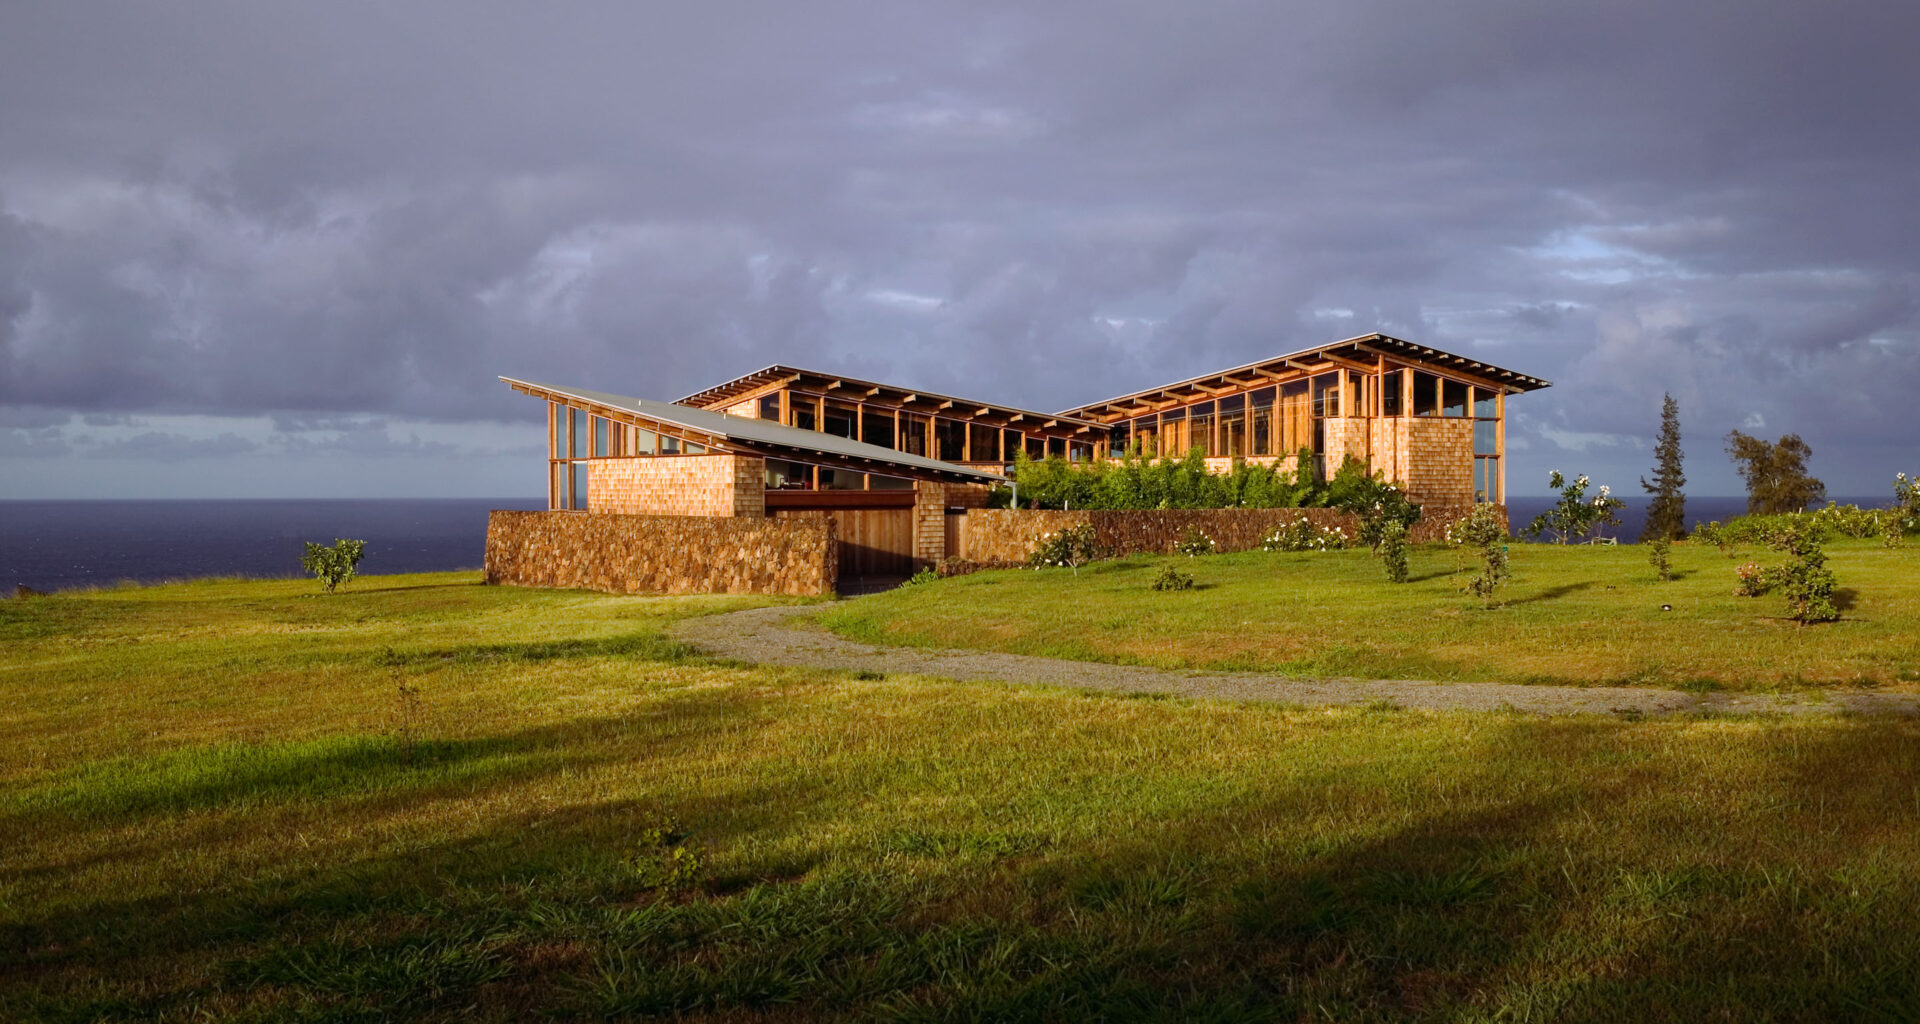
(57, 545)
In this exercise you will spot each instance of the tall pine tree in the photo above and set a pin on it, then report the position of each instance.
(1667, 512)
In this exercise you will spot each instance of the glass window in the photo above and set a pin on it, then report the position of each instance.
(1426, 394)
(841, 480)
(876, 482)
(1079, 451)
(577, 425)
(601, 441)
(1453, 398)
(1145, 430)
(642, 442)
(1057, 446)
(1200, 427)
(1326, 395)
(949, 439)
(770, 407)
(1390, 392)
(1173, 433)
(558, 424)
(876, 426)
(1260, 419)
(985, 441)
(1486, 437)
(669, 445)
(1294, 419)
(579, 485)
(800, 412)
(1010, 442)
(913, 434)
(1036, 448)
(1486, 404)
(1233, 426)
(788, 476)
(694, 449)
(841, 420)
(1486, 479)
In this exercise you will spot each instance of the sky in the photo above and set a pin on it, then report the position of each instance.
(263, 249)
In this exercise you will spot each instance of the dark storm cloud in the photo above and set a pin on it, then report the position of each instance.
(362, 209)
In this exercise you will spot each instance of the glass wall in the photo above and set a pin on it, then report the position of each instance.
(1233, 426)
(1260, 412)
(983, 443)
(876, 426)
(1200, 428)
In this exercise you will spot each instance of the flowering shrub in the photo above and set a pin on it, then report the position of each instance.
(1393, 550)
(1576, 515)
(1750, 580)
(1070, 548)
(1193, 542)
(1485, 531)
(1171, 578)
(1804, 578)
(1906, 508)
(1300, 534)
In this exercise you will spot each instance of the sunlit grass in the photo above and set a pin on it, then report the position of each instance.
(232, 820)
(1575, 614)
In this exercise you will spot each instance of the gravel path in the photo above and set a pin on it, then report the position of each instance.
(783, 635)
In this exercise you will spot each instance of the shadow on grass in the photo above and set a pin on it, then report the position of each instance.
(648, 646)
(1553, 593)
(1424, 910)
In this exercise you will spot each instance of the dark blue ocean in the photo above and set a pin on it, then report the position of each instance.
(53, 545)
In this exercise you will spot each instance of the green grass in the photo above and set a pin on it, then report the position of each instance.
(1576, 615)
(422, 799)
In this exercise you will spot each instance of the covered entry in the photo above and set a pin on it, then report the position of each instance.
(875, 529)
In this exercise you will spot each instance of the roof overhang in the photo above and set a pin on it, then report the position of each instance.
(1363, 353)
(893, 396)
(745, 435)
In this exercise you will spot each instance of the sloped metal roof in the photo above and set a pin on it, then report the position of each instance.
(761, 435)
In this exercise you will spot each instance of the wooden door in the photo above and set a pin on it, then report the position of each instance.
(874, 542)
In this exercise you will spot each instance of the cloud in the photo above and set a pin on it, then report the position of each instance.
(323, 214)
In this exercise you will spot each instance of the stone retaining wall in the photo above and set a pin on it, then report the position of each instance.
(630, 554)
(1000, 537)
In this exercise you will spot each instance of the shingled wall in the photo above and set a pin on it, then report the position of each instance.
(674, 554)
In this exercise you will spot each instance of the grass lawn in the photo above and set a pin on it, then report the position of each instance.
(1572, 614)
(424, 799)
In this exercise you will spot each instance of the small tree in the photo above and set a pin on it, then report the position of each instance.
(1659, 551)
(1667, 512)
(1804, 578)
(1575, 514)
(333, 565)
(1485, 531)
(1905, 514)
(1775, 474)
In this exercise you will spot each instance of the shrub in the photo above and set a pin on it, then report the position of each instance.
(1299, 534)
(1906, 502)
(1575, 515)
(1659, 552)
(333, 565)
(1134, 482)
(1193, 542)
(1749, 580)
(1171, 578)
(1070, 548)
(1485, 531)
(1804, 578)
(1393, 550)
(924, 576)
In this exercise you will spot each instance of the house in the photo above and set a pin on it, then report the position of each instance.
(896, 469)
